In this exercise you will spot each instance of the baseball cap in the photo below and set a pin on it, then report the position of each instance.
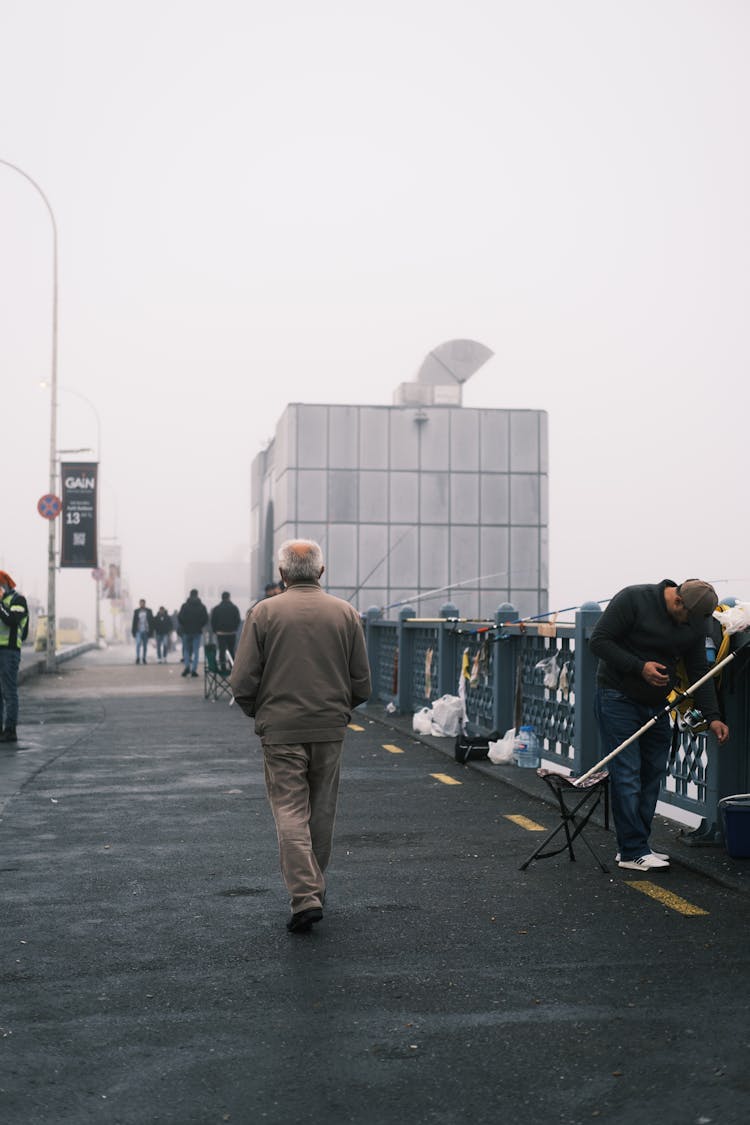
(699, 598)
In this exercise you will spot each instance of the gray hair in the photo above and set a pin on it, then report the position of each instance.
(300, 560)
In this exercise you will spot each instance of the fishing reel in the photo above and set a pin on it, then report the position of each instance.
(692, 720)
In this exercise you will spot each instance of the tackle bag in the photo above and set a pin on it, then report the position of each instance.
(468, 748)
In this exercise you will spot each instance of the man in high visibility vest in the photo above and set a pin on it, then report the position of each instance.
(14, 628)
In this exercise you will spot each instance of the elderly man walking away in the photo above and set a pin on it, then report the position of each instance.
(639, 639)
(301, 667)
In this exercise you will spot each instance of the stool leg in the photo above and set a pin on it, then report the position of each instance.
(570, 816)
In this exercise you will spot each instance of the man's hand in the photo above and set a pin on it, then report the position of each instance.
(655, 674)
(721, 730)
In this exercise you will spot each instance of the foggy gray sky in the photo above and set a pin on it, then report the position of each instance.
(262, 203)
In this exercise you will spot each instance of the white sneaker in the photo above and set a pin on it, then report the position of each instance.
(648, 862)
(659, 855)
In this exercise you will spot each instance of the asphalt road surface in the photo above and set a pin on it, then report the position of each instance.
(148, 975)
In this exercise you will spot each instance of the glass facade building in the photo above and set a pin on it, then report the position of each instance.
(418, 506)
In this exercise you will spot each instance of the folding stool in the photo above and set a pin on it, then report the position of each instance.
(215, 682)
(576, 806)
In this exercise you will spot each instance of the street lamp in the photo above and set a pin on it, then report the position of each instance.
(51, 663)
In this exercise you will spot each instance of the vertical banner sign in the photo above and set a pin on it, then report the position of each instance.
(79, 503)
(111, 586)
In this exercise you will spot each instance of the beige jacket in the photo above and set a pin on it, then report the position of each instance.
(301, 666)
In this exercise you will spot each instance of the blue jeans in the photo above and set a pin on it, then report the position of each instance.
(162, 645)
(191, 648)
(637, 772)
(10, 658)
(141, 644)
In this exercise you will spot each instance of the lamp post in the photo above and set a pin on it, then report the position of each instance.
(51, 663)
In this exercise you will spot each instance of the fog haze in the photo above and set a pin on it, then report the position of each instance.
(260, 204)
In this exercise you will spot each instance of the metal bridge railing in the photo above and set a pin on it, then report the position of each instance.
(515, 672)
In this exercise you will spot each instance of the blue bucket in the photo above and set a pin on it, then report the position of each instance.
(735, 822)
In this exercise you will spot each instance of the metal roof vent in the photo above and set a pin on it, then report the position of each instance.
(443, 372)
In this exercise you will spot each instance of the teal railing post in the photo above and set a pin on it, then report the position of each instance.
(447, 668)
(404, 701)
(586, 734)
(503, 671)
(372, 638)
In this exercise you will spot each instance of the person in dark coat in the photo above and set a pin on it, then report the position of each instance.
(142, 629)
(225, 622)
(193, 617)
(163, 630)
(639, 639)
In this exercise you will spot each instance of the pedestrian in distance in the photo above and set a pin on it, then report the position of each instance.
(14, 629)
(301, 667)
(163, 631)
(225, 623)
(142, 629)
(177, 630)
(639, 638)
(193, 617)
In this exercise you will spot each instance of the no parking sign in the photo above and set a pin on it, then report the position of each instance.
(49, 506)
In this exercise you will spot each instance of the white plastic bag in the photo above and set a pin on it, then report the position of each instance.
(551, 669)
(734, 619)
(422, 721)
(448, 715)
(501, 752)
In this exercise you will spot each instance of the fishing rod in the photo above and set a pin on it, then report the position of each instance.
(551, 613)
(380, 562)
(442, 589)
(502, 624)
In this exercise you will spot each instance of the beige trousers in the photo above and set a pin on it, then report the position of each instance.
(302, 782)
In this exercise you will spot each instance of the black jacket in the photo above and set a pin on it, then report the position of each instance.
(635, 628)
(163, 624)
(225, 617)
(193, 616)
(149, 621)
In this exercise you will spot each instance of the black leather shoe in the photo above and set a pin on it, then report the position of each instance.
(302, 921)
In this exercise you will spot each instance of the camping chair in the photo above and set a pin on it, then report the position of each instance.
(215, 682)
(576, 806)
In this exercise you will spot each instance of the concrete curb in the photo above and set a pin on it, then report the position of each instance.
(35, 663)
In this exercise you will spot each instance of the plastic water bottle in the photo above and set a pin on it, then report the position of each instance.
(710, 650)
(526, 748)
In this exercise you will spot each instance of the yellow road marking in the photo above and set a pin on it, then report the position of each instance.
(392, 749)
(524, 822)
(353, 726)
(446, 779)
(674, 902)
